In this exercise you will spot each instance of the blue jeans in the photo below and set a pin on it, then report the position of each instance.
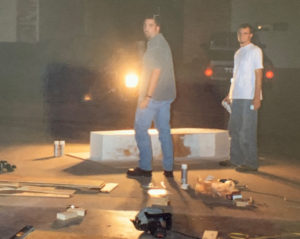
(159, 111)
(243, 132)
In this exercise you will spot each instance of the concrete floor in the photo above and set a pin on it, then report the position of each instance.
(275, 189)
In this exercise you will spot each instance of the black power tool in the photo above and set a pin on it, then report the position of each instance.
(154, 221)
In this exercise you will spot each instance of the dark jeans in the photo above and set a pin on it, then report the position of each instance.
(243, 133)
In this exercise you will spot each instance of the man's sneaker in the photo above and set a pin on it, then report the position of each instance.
(138, 172)
(168, 174)
(226, 163)
(244, 168)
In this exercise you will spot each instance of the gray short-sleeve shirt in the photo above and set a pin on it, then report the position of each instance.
(158, 56)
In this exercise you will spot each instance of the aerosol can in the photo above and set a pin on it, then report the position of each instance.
(56, 148)
(62, 144)
(59, 148)
(184, 182)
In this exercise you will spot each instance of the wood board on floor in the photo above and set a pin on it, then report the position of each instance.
(38, 234)
(34, 194)
(108, 187)
(35, 191)
(9, 184)
(52, 182)
(51, 190)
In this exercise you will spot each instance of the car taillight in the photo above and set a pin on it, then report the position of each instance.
(269, 74)
(208, 72)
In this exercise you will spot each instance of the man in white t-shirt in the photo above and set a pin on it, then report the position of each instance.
(245, 99)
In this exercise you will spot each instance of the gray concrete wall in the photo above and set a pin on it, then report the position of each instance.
(8, 20)
(201, 19)
(75, 35)
(282, 45)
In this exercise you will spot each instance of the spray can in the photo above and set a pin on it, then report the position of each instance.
(56, 148)
(184, 182)
(62, 147)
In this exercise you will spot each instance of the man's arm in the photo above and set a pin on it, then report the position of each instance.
(152, 85)
(258, 87)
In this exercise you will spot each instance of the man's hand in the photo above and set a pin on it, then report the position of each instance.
(144, 103)
(256, 103)
(227, 99)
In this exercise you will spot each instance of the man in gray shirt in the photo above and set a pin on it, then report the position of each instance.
(157, 92)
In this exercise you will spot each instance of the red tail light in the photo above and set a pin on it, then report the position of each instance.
(269, 74)
(208, 72)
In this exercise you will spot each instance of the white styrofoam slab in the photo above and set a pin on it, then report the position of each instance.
(121, 144)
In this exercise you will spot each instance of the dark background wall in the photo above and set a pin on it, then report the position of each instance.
(82, 42)
(201, 19)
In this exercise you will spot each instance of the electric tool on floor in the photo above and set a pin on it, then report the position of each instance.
(154, 221)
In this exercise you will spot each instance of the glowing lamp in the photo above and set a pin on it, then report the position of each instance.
(269, 74)
(131, 80)
(87, 97)
(208, 72)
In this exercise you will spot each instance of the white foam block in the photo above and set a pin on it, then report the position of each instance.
(66, 215)
(78, 211)
(188, 143)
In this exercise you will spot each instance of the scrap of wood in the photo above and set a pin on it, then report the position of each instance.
(66, 185)
(210, 234)
(38, 234)
(50, 190)
(8, 188)
(108, 187)
(53, 182)
(9, 184)
(34, 194)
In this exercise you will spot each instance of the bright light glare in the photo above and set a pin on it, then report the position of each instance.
(157, 192)
(87, 97)
(131, 80)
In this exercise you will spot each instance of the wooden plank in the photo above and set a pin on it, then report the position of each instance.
(9, 184)
(62, 184)
(210, 234)
(32, 194)
(7, 188)
(53, 182)
(108, 187)
(52, 190)
(38, 234)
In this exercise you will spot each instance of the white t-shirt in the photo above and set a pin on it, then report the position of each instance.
(247, 59)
